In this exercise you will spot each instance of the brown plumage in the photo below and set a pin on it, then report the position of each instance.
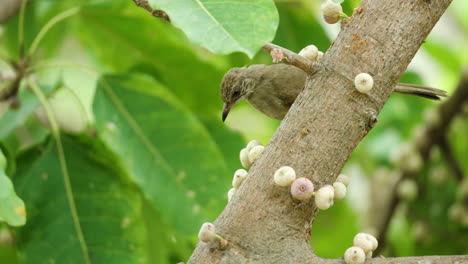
(273, 89)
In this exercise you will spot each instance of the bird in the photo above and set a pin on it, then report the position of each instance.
(272, 89)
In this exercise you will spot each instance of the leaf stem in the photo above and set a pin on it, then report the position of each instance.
(63, 164)
(21, 28)
(344, 15)
(49, 25)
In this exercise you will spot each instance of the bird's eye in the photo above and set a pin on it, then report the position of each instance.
(236, 94)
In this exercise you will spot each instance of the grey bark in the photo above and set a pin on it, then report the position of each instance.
(262, 223)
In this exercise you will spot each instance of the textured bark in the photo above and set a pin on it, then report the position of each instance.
(262, 223)
(292, 58)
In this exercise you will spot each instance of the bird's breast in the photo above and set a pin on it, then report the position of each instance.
(270, 105)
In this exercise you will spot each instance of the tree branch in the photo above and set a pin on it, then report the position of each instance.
(262, 222)
(154, 12)
(293, 59)
(450, 158)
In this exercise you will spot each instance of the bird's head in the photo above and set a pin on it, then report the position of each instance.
(234, 87)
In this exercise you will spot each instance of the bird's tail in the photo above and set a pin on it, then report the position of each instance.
(420, 90)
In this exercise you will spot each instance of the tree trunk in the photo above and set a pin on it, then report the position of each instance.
(262, 223)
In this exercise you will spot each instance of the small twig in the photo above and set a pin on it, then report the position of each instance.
(154, 12)
(450, 158)
(21, 28)
(52, 22)
(293, 59)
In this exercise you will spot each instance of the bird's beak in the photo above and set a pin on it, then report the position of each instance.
(226, 109)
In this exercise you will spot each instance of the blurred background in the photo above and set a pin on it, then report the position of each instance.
(150, 159)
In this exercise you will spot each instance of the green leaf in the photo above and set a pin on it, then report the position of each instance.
(299, 28)
(228, 141)
(12, 209)
(36, 16)
(224, 26)
(108, 210)
(153, 47)
(12, 119)
(165, 244)
(165, 148)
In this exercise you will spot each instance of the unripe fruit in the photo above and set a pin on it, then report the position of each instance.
(252, 144)
(244, 158)
(302, 189)
(363, 82)
(255, 153)
(331, 19)
(284, 176)
(407, 157)
(239, 177)
(413, 163)
(365, 241)
(331, 11)
(343, 179)
(340, 190)
(354, 255)
(207, 232)
(324, 197)
(431, 116)
(319, 56)
(231, 193)
(310, 52)
(407, 189)
(375, 243)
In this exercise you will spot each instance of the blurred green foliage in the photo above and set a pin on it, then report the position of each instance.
(157, 162)
(223, 26)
